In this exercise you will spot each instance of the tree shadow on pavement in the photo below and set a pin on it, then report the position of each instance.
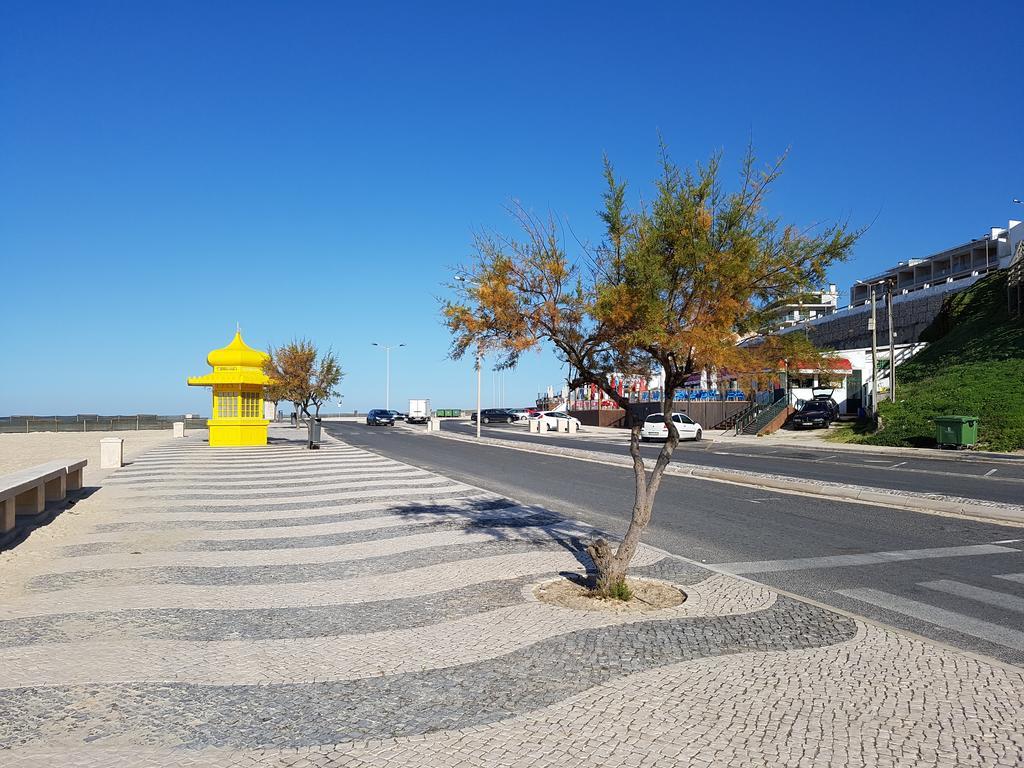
(505, 520)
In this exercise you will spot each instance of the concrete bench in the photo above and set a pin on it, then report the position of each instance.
(27, 490)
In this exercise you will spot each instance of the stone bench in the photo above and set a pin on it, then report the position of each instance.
(28, 490)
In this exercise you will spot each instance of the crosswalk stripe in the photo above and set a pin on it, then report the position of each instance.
(979, 594)
(984, 630)
(867, 558)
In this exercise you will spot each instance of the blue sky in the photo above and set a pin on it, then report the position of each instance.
(315, 169)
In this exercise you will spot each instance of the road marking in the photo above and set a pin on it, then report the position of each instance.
(826, 458)
(753, 501)
(868, 558)
(1018, 577)
(877, 461)
(984, 630)
(981, 595)
(1007, 541)
(897, 465)
(991, 472)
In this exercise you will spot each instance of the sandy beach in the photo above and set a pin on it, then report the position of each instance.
(18, 451)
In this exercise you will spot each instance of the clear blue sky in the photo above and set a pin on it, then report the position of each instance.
(314, 169)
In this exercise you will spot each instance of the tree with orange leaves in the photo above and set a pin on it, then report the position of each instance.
(671, 289)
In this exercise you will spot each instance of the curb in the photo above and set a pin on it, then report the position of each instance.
(892, 450)
(944, 505)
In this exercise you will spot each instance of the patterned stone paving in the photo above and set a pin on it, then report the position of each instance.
(280, 607)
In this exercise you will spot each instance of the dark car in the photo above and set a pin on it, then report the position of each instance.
(499, 415)
(828, 400)
(379, 416)
(814, 413)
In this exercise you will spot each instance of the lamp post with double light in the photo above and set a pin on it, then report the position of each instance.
(387, 390)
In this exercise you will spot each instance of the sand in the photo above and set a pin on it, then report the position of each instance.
(19, 451)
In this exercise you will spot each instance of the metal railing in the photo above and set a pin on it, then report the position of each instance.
(755, 418)
(94, 423)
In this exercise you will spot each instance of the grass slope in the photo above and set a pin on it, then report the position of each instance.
(972, 366)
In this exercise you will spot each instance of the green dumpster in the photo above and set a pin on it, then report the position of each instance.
(956, 430)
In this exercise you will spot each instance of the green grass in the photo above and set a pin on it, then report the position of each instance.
(972, 366)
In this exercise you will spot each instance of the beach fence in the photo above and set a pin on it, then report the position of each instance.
(91, 422)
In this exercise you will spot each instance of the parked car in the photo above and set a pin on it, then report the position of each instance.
(419, 411)
(813, 413)
(379, 416)
(826, 397)
(521, 414)
(398, 415)
(654, 427)
(495, 415)
(549, 419)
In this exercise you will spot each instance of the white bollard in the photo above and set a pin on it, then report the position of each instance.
(535, 425)
(179, 429)
(573, 426)
(561, 425)
(111, 453)
(435, 424)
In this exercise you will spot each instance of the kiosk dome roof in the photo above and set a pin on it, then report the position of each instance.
(237, 353)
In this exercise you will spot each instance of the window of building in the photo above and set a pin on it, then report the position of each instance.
(252, 405)
(227, 405)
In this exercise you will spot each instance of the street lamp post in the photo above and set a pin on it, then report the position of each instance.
(387, 389)
(479, 367)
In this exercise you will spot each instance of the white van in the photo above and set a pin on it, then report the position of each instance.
(419, 412)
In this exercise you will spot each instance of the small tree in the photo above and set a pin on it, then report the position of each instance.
(670, 289)
(299, 376)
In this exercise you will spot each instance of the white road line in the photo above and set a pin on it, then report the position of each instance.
(979, 594)
(1007, 541)
(991, 472)
(826, 458)
(876, 461)
(1018, 577)
(897, 465)
(868, 558)
(984, 630)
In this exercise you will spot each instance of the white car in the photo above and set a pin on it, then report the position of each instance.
(549, 419)
(654, 427)
(521, 414)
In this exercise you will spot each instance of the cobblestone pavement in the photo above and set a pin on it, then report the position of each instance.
(280, 607)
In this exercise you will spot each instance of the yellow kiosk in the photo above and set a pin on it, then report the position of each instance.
(238, 381)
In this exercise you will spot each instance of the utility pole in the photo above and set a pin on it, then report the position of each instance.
(892, 343)
(479, 366)
(872, 326)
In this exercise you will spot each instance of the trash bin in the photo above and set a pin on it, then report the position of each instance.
(960, 431)
(314, 433)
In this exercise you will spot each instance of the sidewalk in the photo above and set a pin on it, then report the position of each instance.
(284, 607)
(815, 440)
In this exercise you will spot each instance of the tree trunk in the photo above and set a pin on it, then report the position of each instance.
(610, 568)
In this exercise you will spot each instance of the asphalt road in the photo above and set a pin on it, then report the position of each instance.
(955, 580)
(976, 478)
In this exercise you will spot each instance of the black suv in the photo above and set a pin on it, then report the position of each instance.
(379, 416)
(487, 415)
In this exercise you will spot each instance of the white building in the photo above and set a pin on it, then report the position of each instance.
(850, 381)
(967, 261)
(795, 312)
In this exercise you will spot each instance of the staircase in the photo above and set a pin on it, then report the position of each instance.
(756, 418)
